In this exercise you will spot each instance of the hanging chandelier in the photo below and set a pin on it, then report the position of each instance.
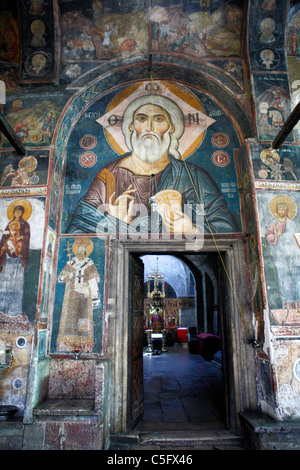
(159, 284)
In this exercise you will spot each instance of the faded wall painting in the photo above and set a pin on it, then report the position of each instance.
(34, 119)
(267, 35)
(280, 165)
(79, 295)
(287, 370)
(293, 29)
(22, 226)
(9, 31)
(197, 29)
(23, 171)
(101, 30)
(273, 104)
(9, 45)
(38, 41)
(279, 227)
(153, 154)
(293, 48)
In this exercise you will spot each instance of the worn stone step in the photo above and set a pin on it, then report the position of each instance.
(166, 440)
(266, 433)
(65, 407)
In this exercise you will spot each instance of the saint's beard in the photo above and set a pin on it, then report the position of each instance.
(150, 149)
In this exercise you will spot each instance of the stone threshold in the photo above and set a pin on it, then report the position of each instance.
(178, 438)
(66, 407)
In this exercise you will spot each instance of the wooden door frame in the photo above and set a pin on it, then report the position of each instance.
(238, 320)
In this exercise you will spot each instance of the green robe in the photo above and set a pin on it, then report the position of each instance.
(193, 182)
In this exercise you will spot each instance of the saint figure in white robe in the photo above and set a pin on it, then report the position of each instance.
(81, 279)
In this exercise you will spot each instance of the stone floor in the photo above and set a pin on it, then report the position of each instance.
(180, 387)
(183, 405)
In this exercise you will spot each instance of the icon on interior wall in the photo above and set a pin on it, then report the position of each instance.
(48, 126)
(81, 296)
(37, 64)
(267, 28)
(293, 33)
(274, 168)
(102, 35)
(38, 29)
(267, 59)
(267, 56)
(178, 126)
(35, 124)
(24, 175)
(203, 33)
(280, 235)
(23, 172)
(273, 107)
(14, 252)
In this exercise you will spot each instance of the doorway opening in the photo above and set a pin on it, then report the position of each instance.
(184, 379)
(125, 326)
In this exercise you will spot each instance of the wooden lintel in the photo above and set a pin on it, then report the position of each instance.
(288, 126)
(11, 136)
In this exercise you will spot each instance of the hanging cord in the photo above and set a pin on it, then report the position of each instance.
(218, 250)
(208, 224)
(153, 187)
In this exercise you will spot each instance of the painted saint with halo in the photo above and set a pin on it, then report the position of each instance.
(81, 296)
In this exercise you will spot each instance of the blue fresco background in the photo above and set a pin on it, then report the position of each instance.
(81, 178)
